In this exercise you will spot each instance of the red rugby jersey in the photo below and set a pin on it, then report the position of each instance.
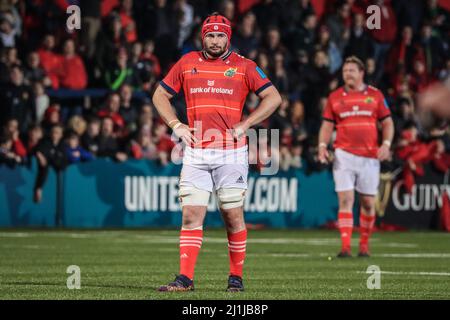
(355, 114)
(215, 91)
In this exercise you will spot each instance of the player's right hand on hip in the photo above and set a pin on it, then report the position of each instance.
(323, 155)
(185, 133)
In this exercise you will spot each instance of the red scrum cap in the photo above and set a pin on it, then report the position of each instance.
(216, 23)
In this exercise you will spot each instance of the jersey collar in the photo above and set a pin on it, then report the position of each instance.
(364, 89)
(223, 57)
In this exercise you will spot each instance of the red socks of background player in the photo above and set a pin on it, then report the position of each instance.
(366, 224)
(190, 244)
(237, 243)
(345, 225)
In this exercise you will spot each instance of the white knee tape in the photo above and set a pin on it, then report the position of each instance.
(229, 198)
(191, 196)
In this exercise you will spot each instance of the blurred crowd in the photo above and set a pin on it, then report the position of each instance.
(127, 46)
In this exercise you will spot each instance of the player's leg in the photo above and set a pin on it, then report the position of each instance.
(231, 184)
(366, 223)
(367, 186)
(345, 221)
(344, 179)
(194, 193)
(231, 206)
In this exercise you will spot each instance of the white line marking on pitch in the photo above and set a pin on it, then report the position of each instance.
(414, 255)
(420, 273)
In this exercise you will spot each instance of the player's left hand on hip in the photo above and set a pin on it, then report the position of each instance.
(239, 130)
(383, 153)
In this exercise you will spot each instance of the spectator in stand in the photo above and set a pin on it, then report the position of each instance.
(34, 136)
(52, 117)
(439, 17)
(279, 75)
(49, 152)
(304, 37)
(164, 143)
(273, 43)
(41, 101)
(128, 109)
(107, 144)
(8, 35)
(109, 41)
(142, 68)
(12, 131)
(143, 146)
(370, 72)
(339, 24)
(112, 111)
(74, 152)
(77, 124)
(185, 13)
(148, 56)
(384, 37)
(73, 74)
(8, 59)
(419, 79)
(50, 61)
(34, 72)
(402, 55)
(431, 50)
(120, 72)
(325, 43)
(360, 43)
(91, 137)
(245, 38)
(91, 24)
(16, 100)
(297, 119)
(125, 12)
(7, 155)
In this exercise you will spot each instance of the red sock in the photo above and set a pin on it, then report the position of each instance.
(236, 249)
(345, 224)
(190, 244)
(365, 226)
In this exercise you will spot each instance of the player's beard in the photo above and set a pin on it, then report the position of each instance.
(215, 54)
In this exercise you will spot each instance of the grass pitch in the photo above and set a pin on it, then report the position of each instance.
(280, 264)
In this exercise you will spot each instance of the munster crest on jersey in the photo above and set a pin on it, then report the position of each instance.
(230, 72)
(368, 100)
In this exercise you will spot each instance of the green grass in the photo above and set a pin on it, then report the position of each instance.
(294, 264)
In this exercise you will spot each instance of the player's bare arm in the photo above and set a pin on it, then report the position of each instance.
(387, 132)
(326, 130)
(270, 101)
(161, 100)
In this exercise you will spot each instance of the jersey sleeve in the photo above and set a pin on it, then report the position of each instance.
(174, 78)
(383, 108)
(328, 114)
(255, 78)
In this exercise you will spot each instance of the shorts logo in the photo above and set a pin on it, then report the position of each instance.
(210, 83)
(240, 180)
(230, 72)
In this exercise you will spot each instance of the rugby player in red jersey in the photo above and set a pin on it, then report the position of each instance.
(215, 82)
(355, 110)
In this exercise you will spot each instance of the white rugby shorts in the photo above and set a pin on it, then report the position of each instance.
(355, 172)
(211, 169)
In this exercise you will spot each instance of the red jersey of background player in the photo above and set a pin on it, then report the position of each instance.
(215, 91)
(355, 114)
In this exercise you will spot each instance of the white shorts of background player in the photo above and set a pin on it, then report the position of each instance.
(352, 172)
